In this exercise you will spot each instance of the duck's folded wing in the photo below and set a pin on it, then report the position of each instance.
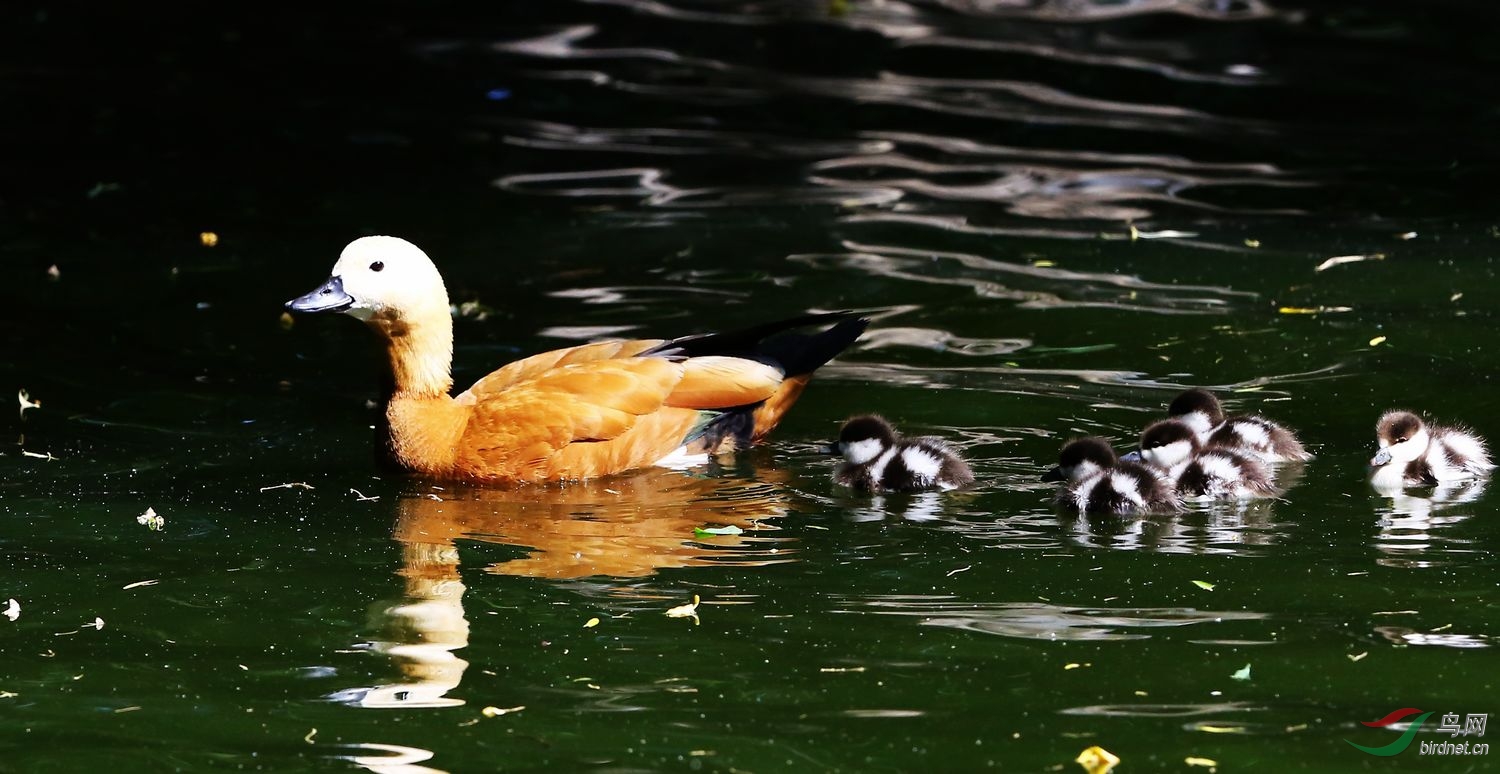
(603, 415)
(539, 364)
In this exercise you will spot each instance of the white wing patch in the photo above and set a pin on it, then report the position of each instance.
(1125, 485)
(1470, 448)
(877, 468)
(680, 459)
(921, 462)
(1253, 434)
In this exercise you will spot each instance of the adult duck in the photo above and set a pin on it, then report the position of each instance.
(568, 414)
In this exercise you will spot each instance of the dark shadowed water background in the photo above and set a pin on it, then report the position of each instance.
(1058, 213)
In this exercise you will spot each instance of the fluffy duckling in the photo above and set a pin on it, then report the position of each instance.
(1099, 482)
(1413, 453)
(568, 414)
(878, 459)
(1172, 447)
(1251, 435)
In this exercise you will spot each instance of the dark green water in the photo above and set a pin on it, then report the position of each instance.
(967, 175)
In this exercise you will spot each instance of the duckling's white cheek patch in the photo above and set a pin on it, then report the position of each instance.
(860, 452)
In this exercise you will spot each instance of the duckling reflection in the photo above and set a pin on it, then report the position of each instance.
(619, 527)
(1411, 524)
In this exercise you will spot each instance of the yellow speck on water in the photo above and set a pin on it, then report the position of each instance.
(1377, 341)
(310, 735)
(1097, 760)
(495, 712)
(1205, 762)
(1252, 243)
(1205, 585)
(1044, 264)
(208, 239)
(1356, 657)
(591, 623)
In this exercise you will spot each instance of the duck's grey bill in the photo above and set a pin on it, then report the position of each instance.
(832, 449)
(329, 297)
(1055, 474)
(1133, 455)
(1381, 457)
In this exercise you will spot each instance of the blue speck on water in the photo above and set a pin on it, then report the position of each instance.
(497, 94)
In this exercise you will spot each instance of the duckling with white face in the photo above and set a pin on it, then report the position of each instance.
(1251, 435)
(1173, 448)
(1413, 453)
(878, 459)
(1099, 482)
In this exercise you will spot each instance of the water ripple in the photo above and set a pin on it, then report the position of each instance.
(1035, 620)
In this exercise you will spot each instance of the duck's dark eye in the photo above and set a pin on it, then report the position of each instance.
(1401, 440)
(377, 266)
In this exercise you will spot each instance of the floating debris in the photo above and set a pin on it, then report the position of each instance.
(48, 456)
(1204, 762)
(591, 623)
(1343, 259)
(729, 530)
(1315, 309)
(288, 485)
(310, 735)
(495, 712)
(54, 273)
(12, 610)
(139, 584)
(1377, 341)
(1241, 674)
(208, 239)
(1252, 243)
(1097, 760)
(1205, 585)
(686, 611)
(364, 498)
(1407, 236)
(27, 402)
(153, 522)
(1357, 657)
(98, 624)
(286, 321)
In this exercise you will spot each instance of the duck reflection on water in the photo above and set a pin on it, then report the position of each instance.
(618, 527)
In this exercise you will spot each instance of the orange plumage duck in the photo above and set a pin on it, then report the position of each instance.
(568, 414)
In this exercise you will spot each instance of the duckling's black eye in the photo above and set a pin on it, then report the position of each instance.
(1401, 440)
(377, 266)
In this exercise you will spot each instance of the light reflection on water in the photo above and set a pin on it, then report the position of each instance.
(1038, 620)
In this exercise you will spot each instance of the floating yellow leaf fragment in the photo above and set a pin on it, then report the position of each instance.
(8, 694)
(685, 611)
(208, 238)
(591, 623)
(1455, 297)
(1205, 585)
(1205, 762)
(286, 321)
(1074, 665)
(1314, 309)
(27, 403)
(495, 712)
(1097, 760)
(1377, 341)
(310, 735)
(1252, 243)
(1208, 729)
(1044, 264)
(1356, 657)
(1342, 259)
(12, 610)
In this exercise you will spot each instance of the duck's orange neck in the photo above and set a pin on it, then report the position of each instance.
(420, 351)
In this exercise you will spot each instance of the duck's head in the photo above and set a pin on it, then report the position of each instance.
(1168, 443)
(1402, 438)
(1198, 409)
(1082, 458)
(379, 277)
(863, 438)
